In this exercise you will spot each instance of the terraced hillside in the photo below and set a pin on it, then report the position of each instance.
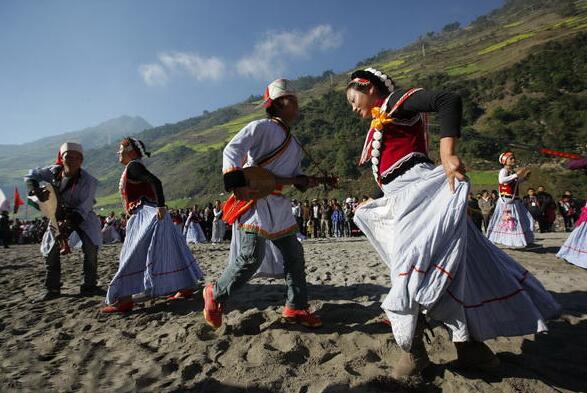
(520, 69)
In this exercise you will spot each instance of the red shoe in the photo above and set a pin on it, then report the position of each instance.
(212, 309)
(182, 294)
(383, 319)
(124, 306)
(303, 317)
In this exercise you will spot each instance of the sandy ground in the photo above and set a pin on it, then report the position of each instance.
(65, 344)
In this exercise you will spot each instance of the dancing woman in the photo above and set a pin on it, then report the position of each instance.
(512, 224)
(218, 226)
(440, 264)
(574, 250)
(155, 259)
(193, 230)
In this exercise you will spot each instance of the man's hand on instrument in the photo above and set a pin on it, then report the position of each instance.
(161, 212)
(245, 193)
(454, 169)
(41, 193)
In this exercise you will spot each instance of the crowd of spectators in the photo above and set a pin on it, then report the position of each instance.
(326, 218)
(541, 205)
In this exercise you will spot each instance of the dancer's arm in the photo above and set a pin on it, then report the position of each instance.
(504, 178)
(449, 107)
(138, 172)
(453, 166)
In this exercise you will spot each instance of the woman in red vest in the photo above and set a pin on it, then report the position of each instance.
(512, 224)
(441, 266)
(155, 259)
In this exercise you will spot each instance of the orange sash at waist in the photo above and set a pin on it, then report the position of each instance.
(233, 208)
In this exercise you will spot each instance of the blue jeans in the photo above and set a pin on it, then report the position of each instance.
(250, 256)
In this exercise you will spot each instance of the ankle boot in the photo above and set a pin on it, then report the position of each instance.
(414, 361)
(475, 355)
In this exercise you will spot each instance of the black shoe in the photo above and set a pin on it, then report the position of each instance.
(91, 290)
(47, 295)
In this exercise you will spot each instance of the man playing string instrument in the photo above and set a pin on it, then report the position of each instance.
(267, 143)
(77, 192)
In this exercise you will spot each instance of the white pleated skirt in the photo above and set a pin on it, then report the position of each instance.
(194, 234)
(110, 235)
(574, 250)
(218, 231)
(442, 265)
(154, 259)
(511, 225)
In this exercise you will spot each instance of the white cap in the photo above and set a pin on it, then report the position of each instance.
(71, 146)
(277, 88)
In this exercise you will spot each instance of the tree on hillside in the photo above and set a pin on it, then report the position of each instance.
(451, 27)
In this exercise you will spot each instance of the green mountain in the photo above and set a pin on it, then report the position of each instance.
(521, 71)
(16, 160)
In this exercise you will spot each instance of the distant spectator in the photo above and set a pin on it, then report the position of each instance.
(548, 208)
(569, 210)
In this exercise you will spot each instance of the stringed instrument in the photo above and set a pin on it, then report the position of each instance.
(266, 183)
(51, 208)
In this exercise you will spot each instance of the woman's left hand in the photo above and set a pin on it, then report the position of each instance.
(161, 212)
(454, 169)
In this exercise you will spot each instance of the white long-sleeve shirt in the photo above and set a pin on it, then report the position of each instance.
(271, 216)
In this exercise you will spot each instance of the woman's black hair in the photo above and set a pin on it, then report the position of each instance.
(138, 146)
(384, 86)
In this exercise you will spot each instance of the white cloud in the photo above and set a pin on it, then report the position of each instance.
(153, 74)
(269, 56)
(200, 68)
(180, 63)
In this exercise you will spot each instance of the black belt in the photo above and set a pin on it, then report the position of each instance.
(404, 167)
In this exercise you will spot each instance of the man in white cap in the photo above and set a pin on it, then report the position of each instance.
(262, 225)
(77, 189)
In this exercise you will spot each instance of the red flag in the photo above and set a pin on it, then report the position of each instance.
(17, 200)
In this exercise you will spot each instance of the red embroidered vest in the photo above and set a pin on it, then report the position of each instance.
(133, 193)
(509, 189)
(400, 140)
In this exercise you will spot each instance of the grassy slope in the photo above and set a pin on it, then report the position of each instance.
(182, 154)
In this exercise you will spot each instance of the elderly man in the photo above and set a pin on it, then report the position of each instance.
(77, 189)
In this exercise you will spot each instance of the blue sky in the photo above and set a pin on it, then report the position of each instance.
(66, 65)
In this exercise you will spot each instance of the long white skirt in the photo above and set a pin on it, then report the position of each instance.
(218, 231)
(193, 233)
(511, 225)
(574, 250)
(154, 259)
(441, 264)
(110, 235)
